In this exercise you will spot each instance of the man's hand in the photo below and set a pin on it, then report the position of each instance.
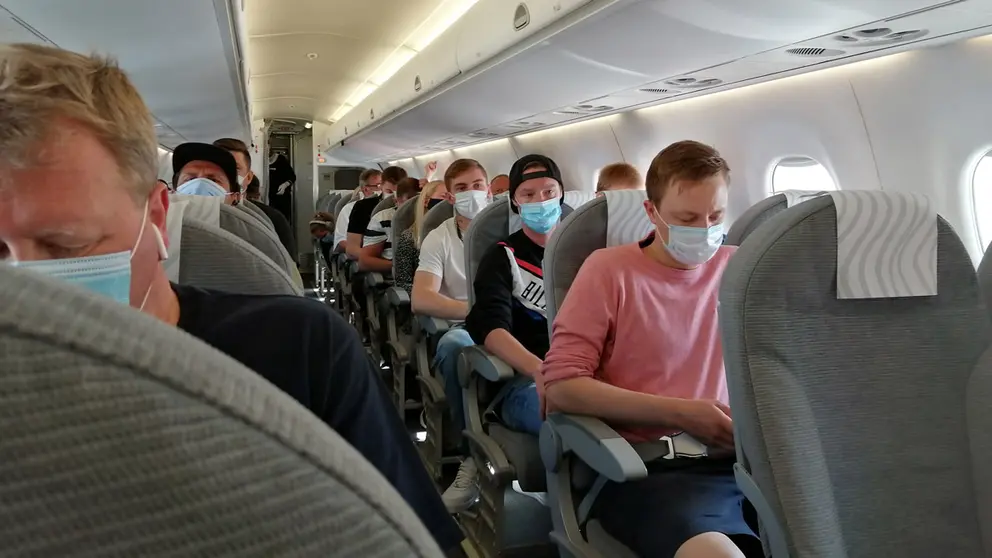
(706, 420)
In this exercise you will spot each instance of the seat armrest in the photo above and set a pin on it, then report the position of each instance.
(478, 359)
(432, 325)
(495, 463)
(353, 267)
(374, 280)
(397, 297)
(597, 445)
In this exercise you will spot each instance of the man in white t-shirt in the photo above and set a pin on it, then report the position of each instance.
(440, 290)
(369, 184)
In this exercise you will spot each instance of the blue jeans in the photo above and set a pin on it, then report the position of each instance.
(521, 409)
(446, 362)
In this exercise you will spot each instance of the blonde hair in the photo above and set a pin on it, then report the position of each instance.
(421, 209)
(619, 176)
(41, 84)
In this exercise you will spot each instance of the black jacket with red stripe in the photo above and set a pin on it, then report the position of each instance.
(509, 294)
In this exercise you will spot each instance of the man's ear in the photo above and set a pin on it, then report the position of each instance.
(158, 210)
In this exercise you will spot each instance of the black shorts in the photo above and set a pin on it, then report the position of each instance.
(677, 501)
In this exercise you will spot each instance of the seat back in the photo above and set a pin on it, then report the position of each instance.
(859, 389)
(434, 217)
(209, 257)
(985, 278)
(122, 432)
(254, 211)
(763, 211)
(385, 204)
(240, 224)
(489, 227)
(577, 198)
(345, 199)
(403, 218)
(615, 218)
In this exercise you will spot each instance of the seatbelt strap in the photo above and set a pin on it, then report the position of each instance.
(504, 390)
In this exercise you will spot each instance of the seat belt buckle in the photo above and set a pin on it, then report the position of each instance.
(683, 446)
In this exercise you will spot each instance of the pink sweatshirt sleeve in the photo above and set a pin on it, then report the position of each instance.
(583, 325)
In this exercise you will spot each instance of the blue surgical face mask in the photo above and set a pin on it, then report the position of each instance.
(693, 245)
(327, 238)
(108, 274)
(201, 187)
(541, 217)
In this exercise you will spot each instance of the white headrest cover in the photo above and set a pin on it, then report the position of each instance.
(886, 245)
(174, 231)
(516, 223)
(792, 197)
(626, 220)
(577, 198)
(201, 208)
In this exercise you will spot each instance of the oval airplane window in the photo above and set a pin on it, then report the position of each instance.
(801, 173)
(981, 188)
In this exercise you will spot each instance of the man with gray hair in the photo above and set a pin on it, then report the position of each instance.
(74, 126)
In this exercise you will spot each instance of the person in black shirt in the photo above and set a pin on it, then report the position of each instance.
(312, 354)
(508, 316)
(361, 214)
(60, 98)
(281, 180)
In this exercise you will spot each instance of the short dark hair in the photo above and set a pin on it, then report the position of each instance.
(684, 160)
(234, 146)
(459, 167)
(393, 175)
(254, 187)
(407, 188)
(366, 175)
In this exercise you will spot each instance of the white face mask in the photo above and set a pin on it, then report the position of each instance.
(693, 245)
(470, 203)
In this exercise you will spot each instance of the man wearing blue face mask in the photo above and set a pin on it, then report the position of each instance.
(509, 316)
(202, 169)
(75, 125)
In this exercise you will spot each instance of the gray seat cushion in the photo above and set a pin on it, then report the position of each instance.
(121, 435)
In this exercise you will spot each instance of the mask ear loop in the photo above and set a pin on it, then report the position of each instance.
(163, 253)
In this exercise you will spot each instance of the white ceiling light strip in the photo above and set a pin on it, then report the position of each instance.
(443, 17)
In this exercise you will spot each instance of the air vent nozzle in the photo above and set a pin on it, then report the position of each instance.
(693, 83)
(521, 16)
(879, 36)
(814, 52)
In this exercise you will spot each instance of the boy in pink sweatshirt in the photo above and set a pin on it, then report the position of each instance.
(637, 344)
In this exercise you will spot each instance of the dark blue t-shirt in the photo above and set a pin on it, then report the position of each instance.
(311, 353)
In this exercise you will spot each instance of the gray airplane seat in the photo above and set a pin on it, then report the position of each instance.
(985, 278)
(375, 286)
(345, 200)
(856, 343)
(765, 210)
(504, 520)
(213, 211)
(124, 435)
(441, 439)
(254, 211)
(395, 307)
(434, 217)
(581, 453)
(206, 256)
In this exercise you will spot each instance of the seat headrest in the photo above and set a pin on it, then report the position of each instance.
(246, 227)
(755, 215)
(385, 204)
(793, 197)
(404, 216)
(434, 217)
(886, 244)
(250, 208)
(626, 220)
(488, 228)
(577, 198)
(345, 200)
(159, 442)
(212, 258)
(202, 208)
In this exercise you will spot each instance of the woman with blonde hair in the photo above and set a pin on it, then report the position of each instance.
(406, 252)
